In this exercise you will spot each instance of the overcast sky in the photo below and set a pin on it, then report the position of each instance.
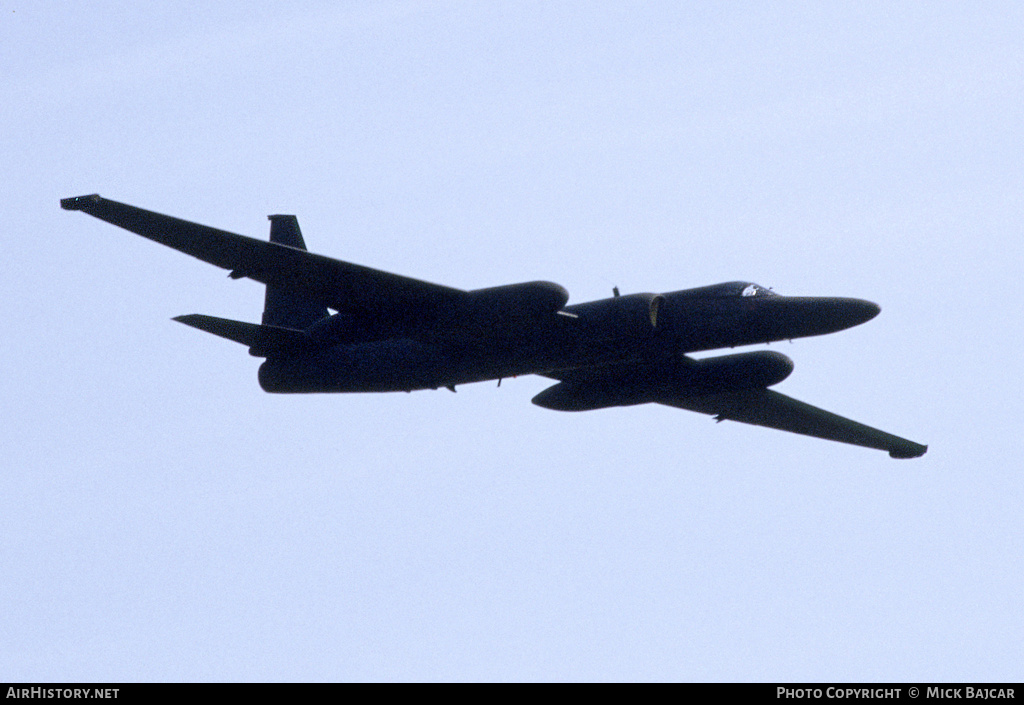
(161, 518)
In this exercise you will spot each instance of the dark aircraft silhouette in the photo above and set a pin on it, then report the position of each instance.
(392, 333)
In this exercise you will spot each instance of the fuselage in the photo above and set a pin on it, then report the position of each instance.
(636, 328)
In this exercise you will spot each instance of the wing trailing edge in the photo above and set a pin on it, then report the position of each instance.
(766, 407)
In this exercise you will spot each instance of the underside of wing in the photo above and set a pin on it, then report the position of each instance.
(342, 286)
(765, 407)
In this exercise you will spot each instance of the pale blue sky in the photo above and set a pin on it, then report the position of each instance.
(161, 518)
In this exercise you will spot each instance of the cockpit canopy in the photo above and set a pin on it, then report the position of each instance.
(728, 289)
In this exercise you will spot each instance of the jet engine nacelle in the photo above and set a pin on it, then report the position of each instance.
(530, 301)
(642, 385)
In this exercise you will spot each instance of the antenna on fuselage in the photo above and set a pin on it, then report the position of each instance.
(615, 291)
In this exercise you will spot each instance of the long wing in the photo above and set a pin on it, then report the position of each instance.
(765, 407)
(760, 407)
(340, 285)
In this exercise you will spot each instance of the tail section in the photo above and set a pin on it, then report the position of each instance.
(285, 308)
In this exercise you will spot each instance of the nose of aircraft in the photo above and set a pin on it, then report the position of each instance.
(834, 314)
(797, 317)
(853, 312)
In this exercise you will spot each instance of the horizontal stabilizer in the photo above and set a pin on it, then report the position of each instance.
(263, 341)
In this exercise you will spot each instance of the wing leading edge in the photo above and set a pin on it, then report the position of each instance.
(766, 407)
(342, 286)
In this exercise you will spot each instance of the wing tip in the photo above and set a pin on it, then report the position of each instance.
(79, 203)
(911, 450)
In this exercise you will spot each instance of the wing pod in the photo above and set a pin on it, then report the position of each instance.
(531, 298)
(512, 305)
(641, 384)
(725, 373)
(593, 394)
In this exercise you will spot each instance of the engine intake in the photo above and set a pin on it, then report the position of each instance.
(622, 317)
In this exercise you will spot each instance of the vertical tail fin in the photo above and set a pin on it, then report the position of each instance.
(286, 308)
